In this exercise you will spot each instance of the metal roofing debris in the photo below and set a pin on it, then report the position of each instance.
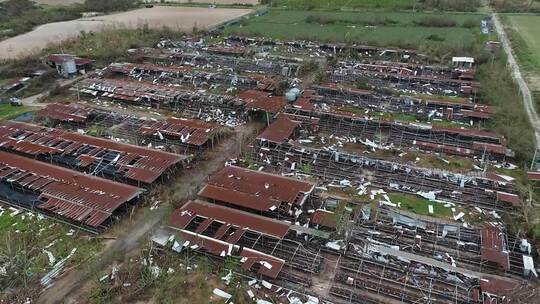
(230, 219)
(79, 197)
(256, 190)
(497, 286)
(280, 130)
(494, 246)
(90, 154)
(270, 265)
(65, 112)
(508, 198)
(189, 131)
(216, 229)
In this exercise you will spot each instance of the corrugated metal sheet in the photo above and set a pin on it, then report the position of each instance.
(494, 246)
(280, 130)
(130, 162)
(65, 112)
(79, 197)
(228, 217)
(189, 131)
(256, 190)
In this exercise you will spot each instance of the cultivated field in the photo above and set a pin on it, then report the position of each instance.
(343, 4)
(181, 18)
(59, 2)
(527, 27)
(375, 28)
(252, 2)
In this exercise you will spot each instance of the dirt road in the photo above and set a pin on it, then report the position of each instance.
(516, 74)
(136, 229)
(177, 18)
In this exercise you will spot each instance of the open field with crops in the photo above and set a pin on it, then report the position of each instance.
(375, 28)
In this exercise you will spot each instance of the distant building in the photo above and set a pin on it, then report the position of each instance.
(67, 65)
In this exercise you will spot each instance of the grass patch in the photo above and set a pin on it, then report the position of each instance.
(525, 39)
(419, 205)
(375, 28)
(510, 119)
(342, 4)
(24, 238)
(8, 111)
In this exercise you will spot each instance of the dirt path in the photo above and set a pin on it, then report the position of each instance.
(134, 230)
(516, 74)
(35, 100)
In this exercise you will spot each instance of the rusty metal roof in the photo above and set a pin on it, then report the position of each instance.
(228, 217)
(508, 198)
(494, 246)
(195, 218)
(256, 190)
(79, 197)
(499, 286)
(65, 112)
(533, 175)
(258, 100)
(280, 130)
(130, 162)
(189, 131)
(271, 266)
(444, 148)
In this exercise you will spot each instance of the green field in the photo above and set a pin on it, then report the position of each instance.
(526, 39)
(419, 205)
(456, 30)
(8, 111)
(344, 4)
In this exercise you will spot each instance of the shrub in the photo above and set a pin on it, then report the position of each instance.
(438, 21)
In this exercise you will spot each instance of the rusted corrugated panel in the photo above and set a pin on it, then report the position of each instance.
(279, 130)
(255, 190)
(189, 131)
(443, 148)
(490, 148)
(65, 112)
(533, 175)
(133, 162)
(258, 100)
(502, 287)
(508, 198)
(208, 244)
(494, 246)
(475, 114)
(270, 266)
(231, 50)
(468, 132)
(80, 197)
(181, 218)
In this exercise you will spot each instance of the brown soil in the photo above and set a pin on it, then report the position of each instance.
(178, 18)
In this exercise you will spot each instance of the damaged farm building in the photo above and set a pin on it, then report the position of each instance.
(177, 135)
(122, 162)
(339, 189)
(86, 201)
(313, 215)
